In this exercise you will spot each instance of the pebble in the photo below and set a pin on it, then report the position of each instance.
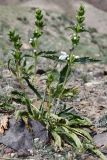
(93, 83)
(13, 155)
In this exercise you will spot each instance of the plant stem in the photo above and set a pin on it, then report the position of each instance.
(35, 64)
(35, 55)
(19, 79)
(49, 100)
(65, 81)
(67, 72)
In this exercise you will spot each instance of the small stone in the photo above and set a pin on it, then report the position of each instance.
(8, 150)
(36, 140)
(13, 155)
(6, 73)
(93, 83)
(23, 153)
(31, 151)
(105, 72)
(69, 156)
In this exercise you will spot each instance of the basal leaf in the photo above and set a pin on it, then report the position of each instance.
(94, 150)
(57, 139)
(82, 133)
(73, 138)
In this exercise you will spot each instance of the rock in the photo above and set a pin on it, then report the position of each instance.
(99, 4)
(101, 139)
(23, 153)
(8, 150)
(39, 131)
(13, 155)
(105, 72)
(19, 138)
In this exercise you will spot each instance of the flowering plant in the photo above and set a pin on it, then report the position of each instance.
(62, 124)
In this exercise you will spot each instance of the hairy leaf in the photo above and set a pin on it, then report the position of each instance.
(47, 52)
(82, 133)
(73, 138)
(70, 92)
(52, 57)
(57, 139)
(33, 88)
(63, 73)
(86, 60)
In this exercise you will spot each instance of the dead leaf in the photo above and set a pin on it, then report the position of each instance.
(4, 124)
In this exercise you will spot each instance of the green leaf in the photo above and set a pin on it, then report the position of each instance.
(6, 104)
(86, 60)
(10, 68)
(27, 55)
(94, 150)
(63, 112)
(82, 133)
(52, 57)
(55, 74)
(19, 100)
(73, 138)
(47, 52)
(57, 139)
(30, 67)
(20, 114)
(33, 88)
(18, 93)
(65, 92)
(75, 120)
(70, 92)
(9, 61)
(99, 154)
(63, 73)
(13, 71)
(58, 90)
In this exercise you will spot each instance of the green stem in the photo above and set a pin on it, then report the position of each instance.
(65, 81)
(49, 100)
(20, 81)
(35, 55)
(35, 65)
(67, 72)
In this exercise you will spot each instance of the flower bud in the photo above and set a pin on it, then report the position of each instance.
(75, 39)
(80, 19)
(81, 11)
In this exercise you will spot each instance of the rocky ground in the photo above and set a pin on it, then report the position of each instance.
(91, 79)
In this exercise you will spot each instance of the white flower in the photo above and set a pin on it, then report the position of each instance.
(76, 57)
(34, 50)
(63, 55)
(30, 41)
